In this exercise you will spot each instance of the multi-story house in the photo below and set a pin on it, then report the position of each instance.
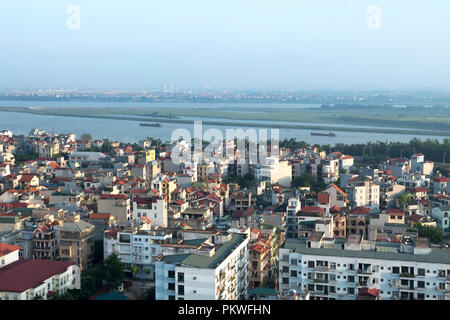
(363, 193)
(389, 193)
(46, 241)
(259, 264)
(77, 243)
(274, 171)
(242, 200)
(154, 208)
(116, 204)
(328, 171)
(442, 216)
(293, 206)
(164, 186)
(332, 197)
(48, 149)
(414, 180)
(137, 246)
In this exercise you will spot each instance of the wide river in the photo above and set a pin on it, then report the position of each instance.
(130, 131)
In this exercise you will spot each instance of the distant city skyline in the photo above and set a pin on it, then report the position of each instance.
(292, 45)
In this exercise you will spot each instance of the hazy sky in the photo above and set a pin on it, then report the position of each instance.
(295, 44)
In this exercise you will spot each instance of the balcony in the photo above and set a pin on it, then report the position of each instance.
(364, 271)
(407, 275)
(322, 268)
(318, 280)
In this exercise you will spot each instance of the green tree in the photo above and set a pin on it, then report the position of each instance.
(114, 270)
(433, 233)
(65, 296)
(86, 137)
(134, 270)
(403, 198)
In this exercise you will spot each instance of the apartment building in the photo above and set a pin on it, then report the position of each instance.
(137, 246)
(216, 271)
(338, 270)
(77, 243)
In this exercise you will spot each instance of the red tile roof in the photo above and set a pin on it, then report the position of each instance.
(6, 248)
(102, 216)
(113, 196)
(25, 274)
(398, 212)
(360, 210)
(312, 210)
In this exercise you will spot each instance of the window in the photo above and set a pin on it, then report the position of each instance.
(171, 286)
(421, 272)
(171, 274)
(396, 270)
(180, 289)
(180, 277)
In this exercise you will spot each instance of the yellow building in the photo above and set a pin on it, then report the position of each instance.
(145, 156)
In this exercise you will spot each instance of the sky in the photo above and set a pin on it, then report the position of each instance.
(235, 44)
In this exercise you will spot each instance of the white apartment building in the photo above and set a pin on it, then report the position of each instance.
(414, 180)
(154, 208)
(328, 170)
(274, 171)
(346, 162)
(364, 193)
(136, 246)
(22, 279)
(334, 273)
(216, 271)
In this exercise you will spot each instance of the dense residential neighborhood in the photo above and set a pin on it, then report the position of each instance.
(91, 219)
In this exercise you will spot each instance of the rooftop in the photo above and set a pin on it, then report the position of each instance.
(435, 256)
(25, 274)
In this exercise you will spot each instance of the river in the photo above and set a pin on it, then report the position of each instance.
(130, 131)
